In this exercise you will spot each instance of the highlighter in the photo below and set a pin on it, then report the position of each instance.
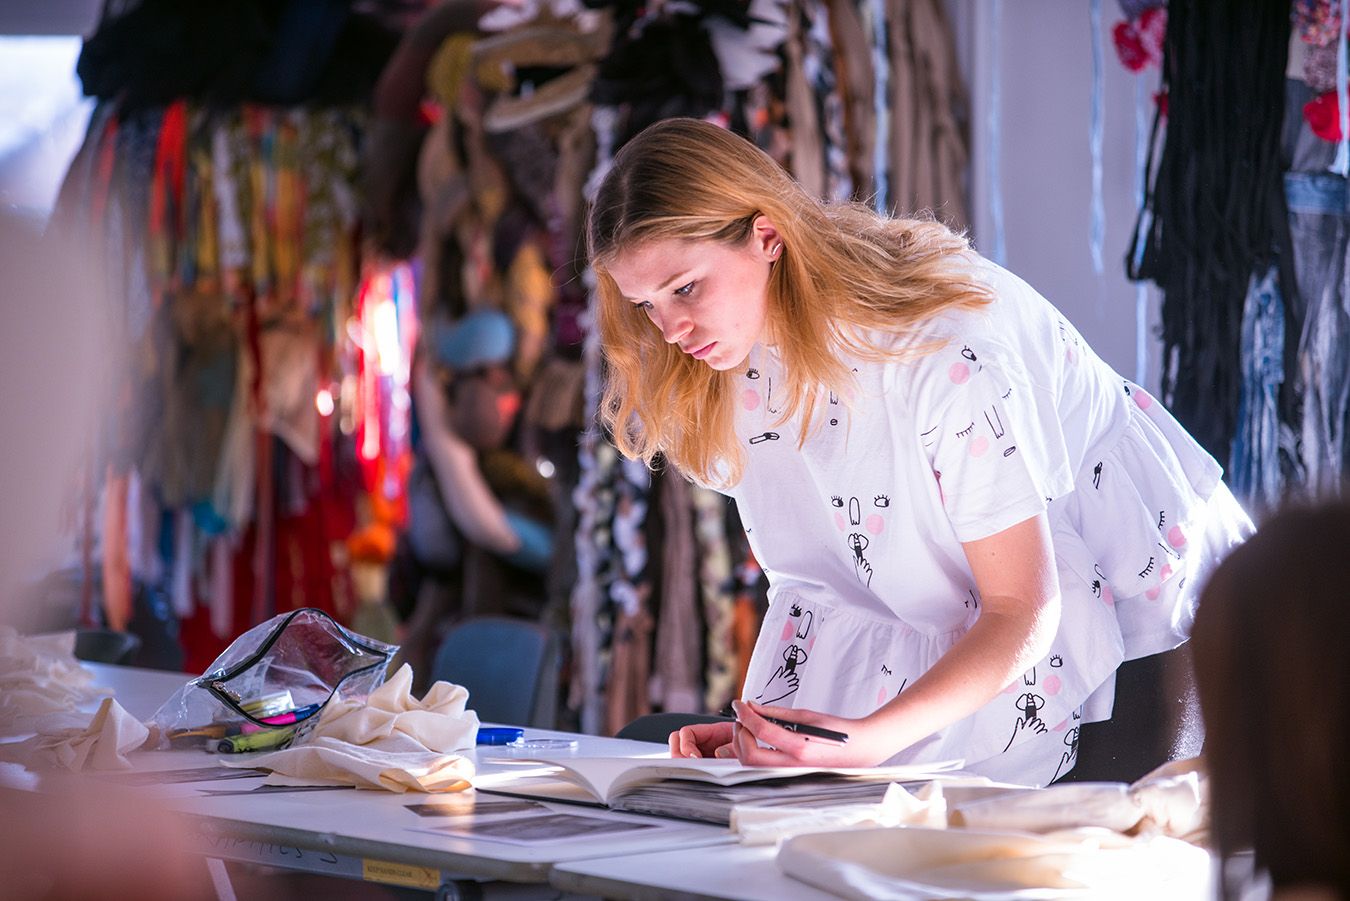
(256, 741)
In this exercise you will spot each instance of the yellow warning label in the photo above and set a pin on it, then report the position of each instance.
(400, 874)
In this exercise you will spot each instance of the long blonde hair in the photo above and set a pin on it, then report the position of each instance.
(844, 270)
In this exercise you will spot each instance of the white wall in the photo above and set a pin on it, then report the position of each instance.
(1045, 73)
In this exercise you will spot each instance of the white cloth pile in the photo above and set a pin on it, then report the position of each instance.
(1108, 840)
(389, 740)
(42, 690)
(39, 678)
(103, 744)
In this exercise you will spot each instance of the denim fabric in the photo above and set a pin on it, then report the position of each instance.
(1254, 470)
(1319, 221)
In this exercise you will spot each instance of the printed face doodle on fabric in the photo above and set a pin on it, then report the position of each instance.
(1029, 720)
(1073, 344)
(1070, 755)
(853, 517)
(752, 399)
(988, 431)
(795, 644)
(785, 679)
(1100, 588)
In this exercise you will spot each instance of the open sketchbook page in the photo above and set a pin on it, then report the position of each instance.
(606, 778)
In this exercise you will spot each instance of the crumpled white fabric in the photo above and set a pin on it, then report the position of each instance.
(918, 863)
(756, 825)
(389, 740)
(1080, 840)
(1175, 800)
(39, 677)
(103, 744)
(1170, 800)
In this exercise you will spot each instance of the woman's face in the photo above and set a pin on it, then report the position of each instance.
(709, 299)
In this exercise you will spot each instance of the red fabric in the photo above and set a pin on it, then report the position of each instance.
(1139, 43)
(303, 576)
(1323, 115)
(167, 218)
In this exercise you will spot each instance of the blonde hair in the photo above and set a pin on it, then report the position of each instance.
(844, 270)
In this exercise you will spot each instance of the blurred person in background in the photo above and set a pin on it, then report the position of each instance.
(1273, 675)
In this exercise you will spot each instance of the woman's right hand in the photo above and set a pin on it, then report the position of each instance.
(703, 740)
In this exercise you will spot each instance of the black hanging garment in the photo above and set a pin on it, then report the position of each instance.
(1215, 211)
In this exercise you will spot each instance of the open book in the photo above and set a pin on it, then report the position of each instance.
(701, 789)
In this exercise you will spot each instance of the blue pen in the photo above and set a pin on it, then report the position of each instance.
(500, 735)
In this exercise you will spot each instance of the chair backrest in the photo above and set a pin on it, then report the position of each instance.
(658, 726)
(508, 665)
(106, 646)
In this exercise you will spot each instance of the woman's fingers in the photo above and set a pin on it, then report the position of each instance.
(700, 740)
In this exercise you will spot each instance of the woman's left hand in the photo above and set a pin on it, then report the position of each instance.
(866, 746)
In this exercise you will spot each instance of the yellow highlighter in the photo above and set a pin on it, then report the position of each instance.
(256, 741)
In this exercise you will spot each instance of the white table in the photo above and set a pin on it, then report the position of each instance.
(726, 871)
(371, 834)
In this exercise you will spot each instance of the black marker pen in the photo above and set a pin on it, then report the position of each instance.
(813, 731)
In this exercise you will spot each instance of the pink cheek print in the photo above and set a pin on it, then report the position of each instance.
(750, 399)
(881, 696)
(789, 630)
(979, 447)
(1061, 726)
(1052, 685)
(875, 524)
(1176, 537)
(1108, 598)
(1012, 687)
(840, 521)
(811, 645)
(1071, 355)
(1142, 399)
(1153, 593)
(1166, 572)
(959, 373)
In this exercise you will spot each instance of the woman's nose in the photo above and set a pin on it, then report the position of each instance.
(674, 326)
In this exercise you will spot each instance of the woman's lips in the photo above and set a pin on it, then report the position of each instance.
(702, 351)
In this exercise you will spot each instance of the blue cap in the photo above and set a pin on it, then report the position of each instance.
(481, 338)
(501, 735)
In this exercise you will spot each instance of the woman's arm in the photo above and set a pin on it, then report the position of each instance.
(1015, 573)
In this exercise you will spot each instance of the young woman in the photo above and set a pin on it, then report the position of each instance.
(968, 520)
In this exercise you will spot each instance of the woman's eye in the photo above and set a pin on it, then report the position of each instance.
(685, 290)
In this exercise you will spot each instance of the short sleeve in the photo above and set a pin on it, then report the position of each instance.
(993, 437)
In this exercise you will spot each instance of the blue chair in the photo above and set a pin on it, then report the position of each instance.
(106, 646)
(510, 667)
(658, 726)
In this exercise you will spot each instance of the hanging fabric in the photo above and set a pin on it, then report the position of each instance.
(1215, 211)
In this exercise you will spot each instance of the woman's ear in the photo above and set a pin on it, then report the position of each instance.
(765, 238)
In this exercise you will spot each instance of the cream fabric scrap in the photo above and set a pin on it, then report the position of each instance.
(918, 863)
(40, 676)
(328, 761)
(103, 744)
(389, 740)
(768, 825)
(1170, 801)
